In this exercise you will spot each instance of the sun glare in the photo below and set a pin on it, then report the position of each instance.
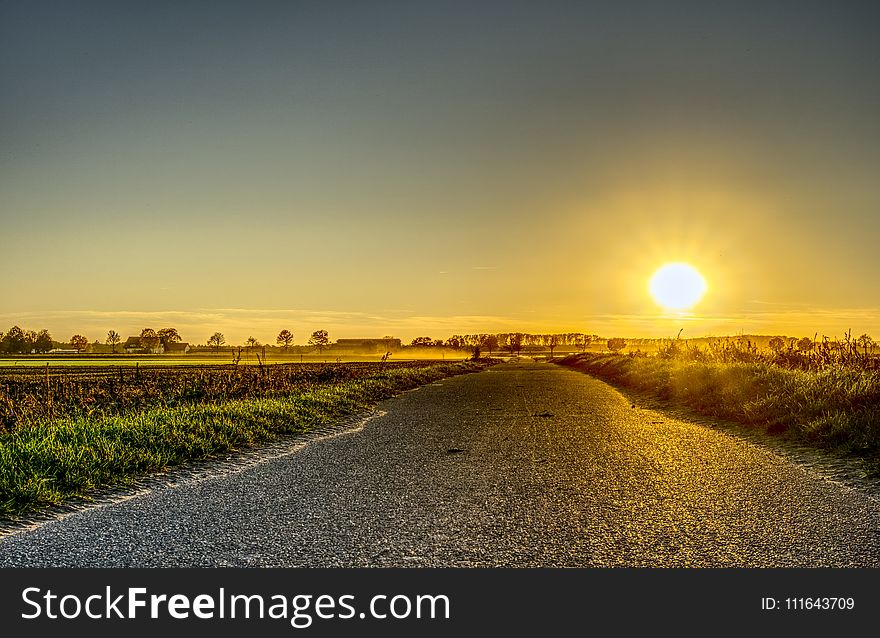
(677, 286)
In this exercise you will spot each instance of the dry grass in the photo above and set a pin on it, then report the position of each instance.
(828, 400)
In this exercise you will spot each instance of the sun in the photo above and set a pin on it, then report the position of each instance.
(677, 286)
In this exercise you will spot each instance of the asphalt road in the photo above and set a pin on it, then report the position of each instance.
(526, 464)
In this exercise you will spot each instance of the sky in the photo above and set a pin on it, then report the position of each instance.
(424, 168)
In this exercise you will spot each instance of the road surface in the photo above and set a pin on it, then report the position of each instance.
(526, 464)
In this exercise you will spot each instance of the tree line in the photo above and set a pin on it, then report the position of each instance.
(19, 341)
(319, 340)
(512, 342)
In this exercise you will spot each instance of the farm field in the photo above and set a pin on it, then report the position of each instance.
(198, 360)
(65, 432)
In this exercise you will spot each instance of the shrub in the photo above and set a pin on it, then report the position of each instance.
(616, 344)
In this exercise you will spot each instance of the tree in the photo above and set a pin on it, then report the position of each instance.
(113, 339)
(79, 342)
(865, 342)
(149, 339)
(15, 341)
(284, 339)
(43, 342)
(422, 342)
(553, 341)
(585, 341)
(777, 344)
(490, 342)
(216, 340)
(167, 336)
(251, 343)
(805, 344)
(514, 342)
(319, 340)
(616, 344)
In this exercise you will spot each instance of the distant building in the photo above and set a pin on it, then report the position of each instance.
(368, 345)
(177, 348)
(133, 345)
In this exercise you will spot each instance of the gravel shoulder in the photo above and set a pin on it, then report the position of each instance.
(524, 464)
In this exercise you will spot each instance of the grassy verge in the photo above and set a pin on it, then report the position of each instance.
(837, 408)
(48, 461)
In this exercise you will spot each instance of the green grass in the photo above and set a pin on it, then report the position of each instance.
(102, 360)
(836, 408)
(47, 462)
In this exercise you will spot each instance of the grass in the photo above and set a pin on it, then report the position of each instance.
(47, 461)
(835, 407)
(165, 360)
(30, 394)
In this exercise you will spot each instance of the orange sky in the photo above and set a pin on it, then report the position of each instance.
(437, 169)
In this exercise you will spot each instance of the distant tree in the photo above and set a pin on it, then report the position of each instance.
(777, 344)
(515, 342)
(113, 339)
(319, 340)
(552, 342)
(15, 341)
(251, 343)
(422, 342)
(79, 342)
(865, 342)
(216, 340)
(585, 341)
(616, 344)
(438, 343)
(167, 336)
(149, 339)
(43, 342)
(455, 341)
(490, 342)
(805, 345)
(284, 339)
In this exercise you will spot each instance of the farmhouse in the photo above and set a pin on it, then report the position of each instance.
(177, 348)
(133, 345)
